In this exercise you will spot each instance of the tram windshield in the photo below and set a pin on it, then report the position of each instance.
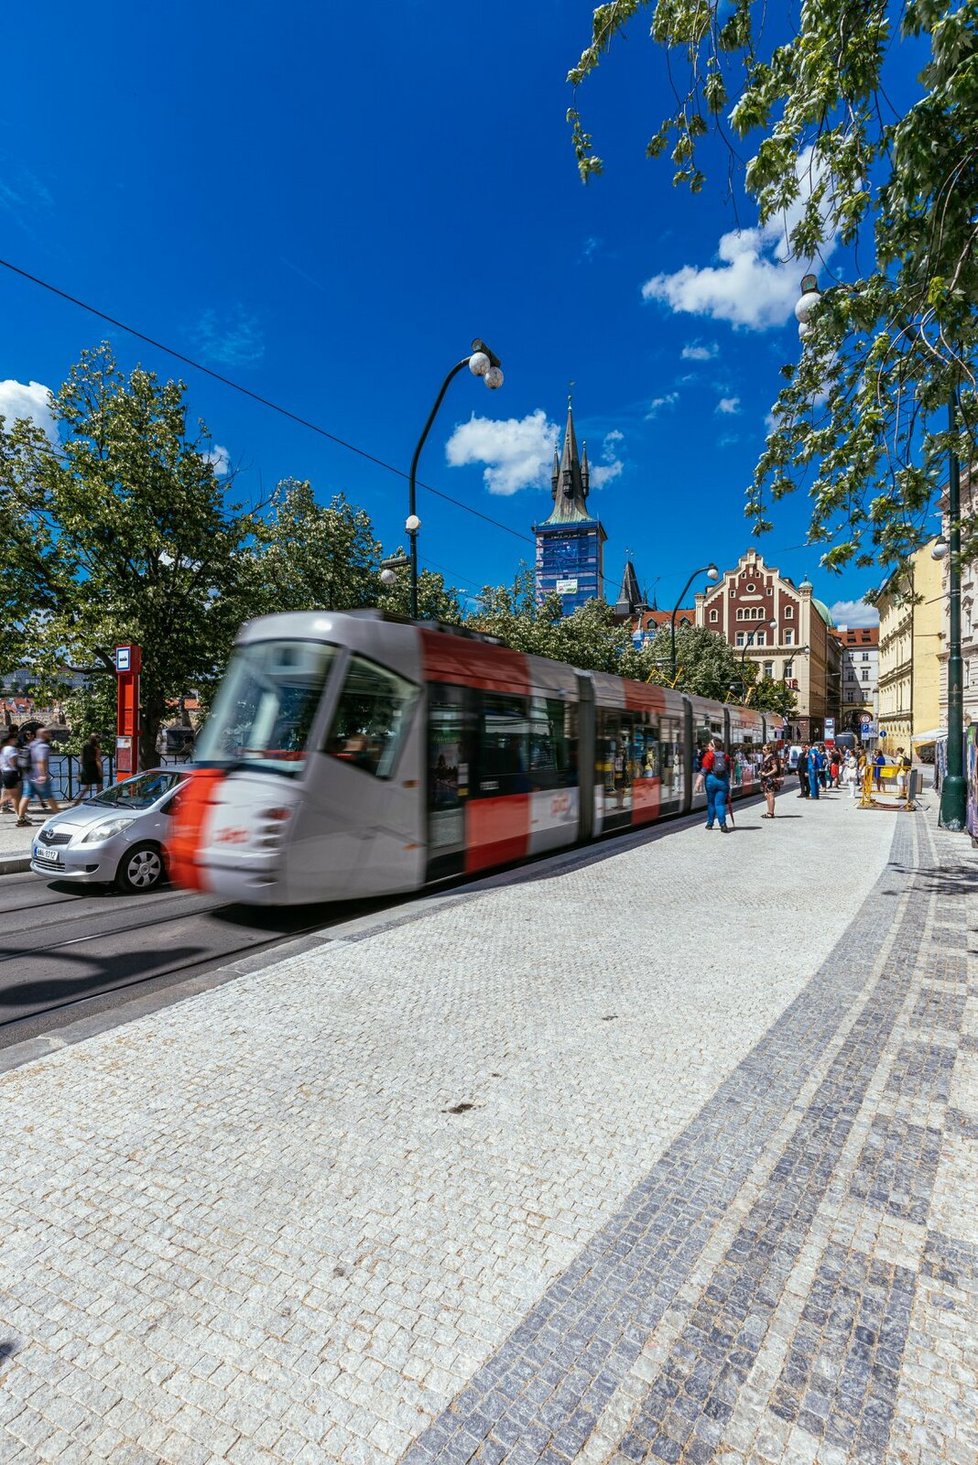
(264, 712)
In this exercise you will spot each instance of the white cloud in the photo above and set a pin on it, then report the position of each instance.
(753, 285)
(727, 439)
(518, 452)
(695, 352)
(232, 337)
(219, 459)
(611, 466)
(33, 401)
(854, 613)
(657, 403)
(729, 406)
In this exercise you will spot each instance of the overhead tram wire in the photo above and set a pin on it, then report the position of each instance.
(262, 401)
(254, 396)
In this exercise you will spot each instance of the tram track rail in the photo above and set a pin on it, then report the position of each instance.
(82, 957)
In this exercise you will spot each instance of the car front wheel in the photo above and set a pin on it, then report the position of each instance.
(141, 868)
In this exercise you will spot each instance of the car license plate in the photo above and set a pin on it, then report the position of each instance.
(47, 856)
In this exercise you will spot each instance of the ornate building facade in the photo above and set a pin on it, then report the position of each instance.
(784, 630)
(570, 542)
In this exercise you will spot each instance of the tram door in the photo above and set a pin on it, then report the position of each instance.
(449, 757)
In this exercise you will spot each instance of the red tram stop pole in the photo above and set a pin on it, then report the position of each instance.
(128, 660)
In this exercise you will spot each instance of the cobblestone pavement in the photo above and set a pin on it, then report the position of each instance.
(664, 1151)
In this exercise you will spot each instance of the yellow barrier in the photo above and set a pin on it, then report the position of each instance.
(903, 800)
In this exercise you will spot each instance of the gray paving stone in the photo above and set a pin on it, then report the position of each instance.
(276, 1240)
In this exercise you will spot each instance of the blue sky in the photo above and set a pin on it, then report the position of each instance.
(326, 203)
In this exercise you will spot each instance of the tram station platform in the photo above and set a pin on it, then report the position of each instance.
(662, 1150)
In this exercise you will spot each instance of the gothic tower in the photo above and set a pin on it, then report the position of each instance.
(570, 542)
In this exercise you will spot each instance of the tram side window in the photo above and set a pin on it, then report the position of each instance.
(449, 737)
(371, 718)
(670, 763)
(553, 743)
(504, 729)
(702, 738)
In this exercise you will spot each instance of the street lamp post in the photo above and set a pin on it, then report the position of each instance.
(954, 791)
(772, 626)
(712, 573)
(481, 362)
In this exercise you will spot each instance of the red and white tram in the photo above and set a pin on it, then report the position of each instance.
(352, 755)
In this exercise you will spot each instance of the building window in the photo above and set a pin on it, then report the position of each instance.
(769, 670)
(865, 656)
(751, 588)
(714, 616)
(789, 638)
(740, 638)
(789, 612)
(789, 670)
(866, 674)
(770, 590)
(760, 638)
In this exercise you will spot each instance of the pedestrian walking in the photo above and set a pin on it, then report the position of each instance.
(802, 771)
(903, 768)
(816, 766)
(715, 768)
(834, 768)
(9, 772)
(879, 763)
(37, 782)
(90, 776)
(770, 778)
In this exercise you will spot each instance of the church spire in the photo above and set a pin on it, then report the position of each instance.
(570, 480)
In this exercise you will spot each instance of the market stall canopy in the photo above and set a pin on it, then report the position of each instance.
(933, 736)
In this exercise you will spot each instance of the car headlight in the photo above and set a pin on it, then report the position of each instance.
(105, 830)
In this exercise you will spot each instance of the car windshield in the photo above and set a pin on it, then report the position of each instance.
(265, 709)
(139, 792)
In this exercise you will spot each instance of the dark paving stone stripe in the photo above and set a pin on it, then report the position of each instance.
(935, 1009)
(949, 1259)
(958, 1123)
(549, 1382)
(840, 1378)
(922, 1070)
(717, 1349)
(896, 1169)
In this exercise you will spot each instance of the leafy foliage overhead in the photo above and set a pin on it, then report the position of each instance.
(863, 420)
(119, 532)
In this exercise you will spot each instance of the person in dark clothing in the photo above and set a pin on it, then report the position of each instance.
(90, 778)
(802, 771)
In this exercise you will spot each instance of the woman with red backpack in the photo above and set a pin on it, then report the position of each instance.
(715, 769)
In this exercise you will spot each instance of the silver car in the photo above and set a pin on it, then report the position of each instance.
(119, 835)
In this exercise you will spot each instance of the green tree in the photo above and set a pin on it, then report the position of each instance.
(589, 638)
(312, 556)
(774, 696)
(862, 420)
(436, 600)
(92, 709)
(122, 534)
(705, 665)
